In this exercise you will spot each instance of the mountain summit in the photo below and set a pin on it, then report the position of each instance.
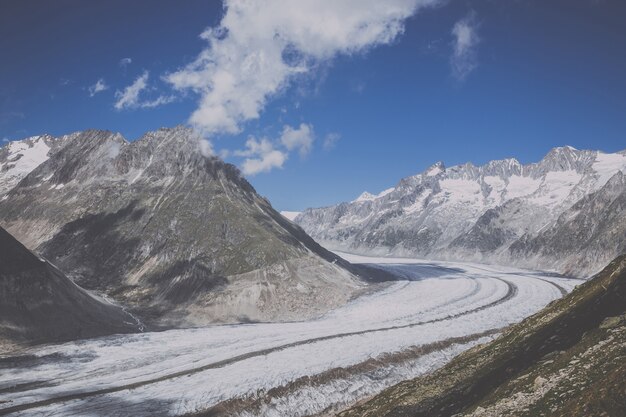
(179, 236)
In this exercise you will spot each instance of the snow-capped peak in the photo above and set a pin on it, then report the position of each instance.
(291, 215)
(435, 169)
(366, 196)
(20, 157)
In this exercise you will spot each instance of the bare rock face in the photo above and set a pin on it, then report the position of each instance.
(38, 303)
(590, 232)
(475, 213)
(181, 237)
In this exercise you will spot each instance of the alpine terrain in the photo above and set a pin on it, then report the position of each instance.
(180, 237)
(566, 360)
(564, 213)
(40, 304)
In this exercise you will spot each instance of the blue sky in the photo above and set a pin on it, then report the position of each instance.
(351, 109)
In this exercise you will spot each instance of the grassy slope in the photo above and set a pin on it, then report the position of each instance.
(577, 353)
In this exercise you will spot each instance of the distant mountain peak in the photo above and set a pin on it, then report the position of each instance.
(566, 158)
(435, 169)
(366, 196)
(464, 210)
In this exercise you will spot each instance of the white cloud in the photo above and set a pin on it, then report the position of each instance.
(264, 155)
(99, 86)
(129, 98)
(159, 101)
(224, 153)
(125, 62)
(5, 140)
(206, 148)
(261, 156)
(260, 46)
(331, 140)
(463, 59)
(300, 138)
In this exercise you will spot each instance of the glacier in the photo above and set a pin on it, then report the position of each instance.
(400, 330)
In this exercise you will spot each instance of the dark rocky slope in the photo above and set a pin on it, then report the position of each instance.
(567, 360)
(38, 303)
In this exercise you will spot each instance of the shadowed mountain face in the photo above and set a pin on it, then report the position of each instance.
(497, 213)
(566, 360)
(590, 232)
(181, 237)
(38, 303)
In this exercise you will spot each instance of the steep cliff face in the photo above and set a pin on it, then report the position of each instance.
(181, 237)
(468, 212)
(38, 303)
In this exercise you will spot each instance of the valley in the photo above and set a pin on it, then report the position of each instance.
(312, 208)
(399, 330)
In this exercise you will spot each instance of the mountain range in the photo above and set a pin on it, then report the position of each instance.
(563, 213)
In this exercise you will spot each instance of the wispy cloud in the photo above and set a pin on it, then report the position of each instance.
(8, 116)
(129, 98)
(358, 86)
(124, 62)
(159, 101)
(330, 141)
(300, 138)
(261, 46)
(464, 57)
(261, 156)
(98, 87)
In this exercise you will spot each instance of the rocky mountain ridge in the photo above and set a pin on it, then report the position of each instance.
(179, 236)
(469, 212)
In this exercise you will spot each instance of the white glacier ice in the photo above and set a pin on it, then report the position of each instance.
(180, 371)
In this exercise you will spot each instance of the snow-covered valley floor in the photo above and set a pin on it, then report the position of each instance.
(433, 312)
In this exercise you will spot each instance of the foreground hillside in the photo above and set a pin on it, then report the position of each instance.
(38, 303)
(567, 360)
(159, 225)
(549, 215)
